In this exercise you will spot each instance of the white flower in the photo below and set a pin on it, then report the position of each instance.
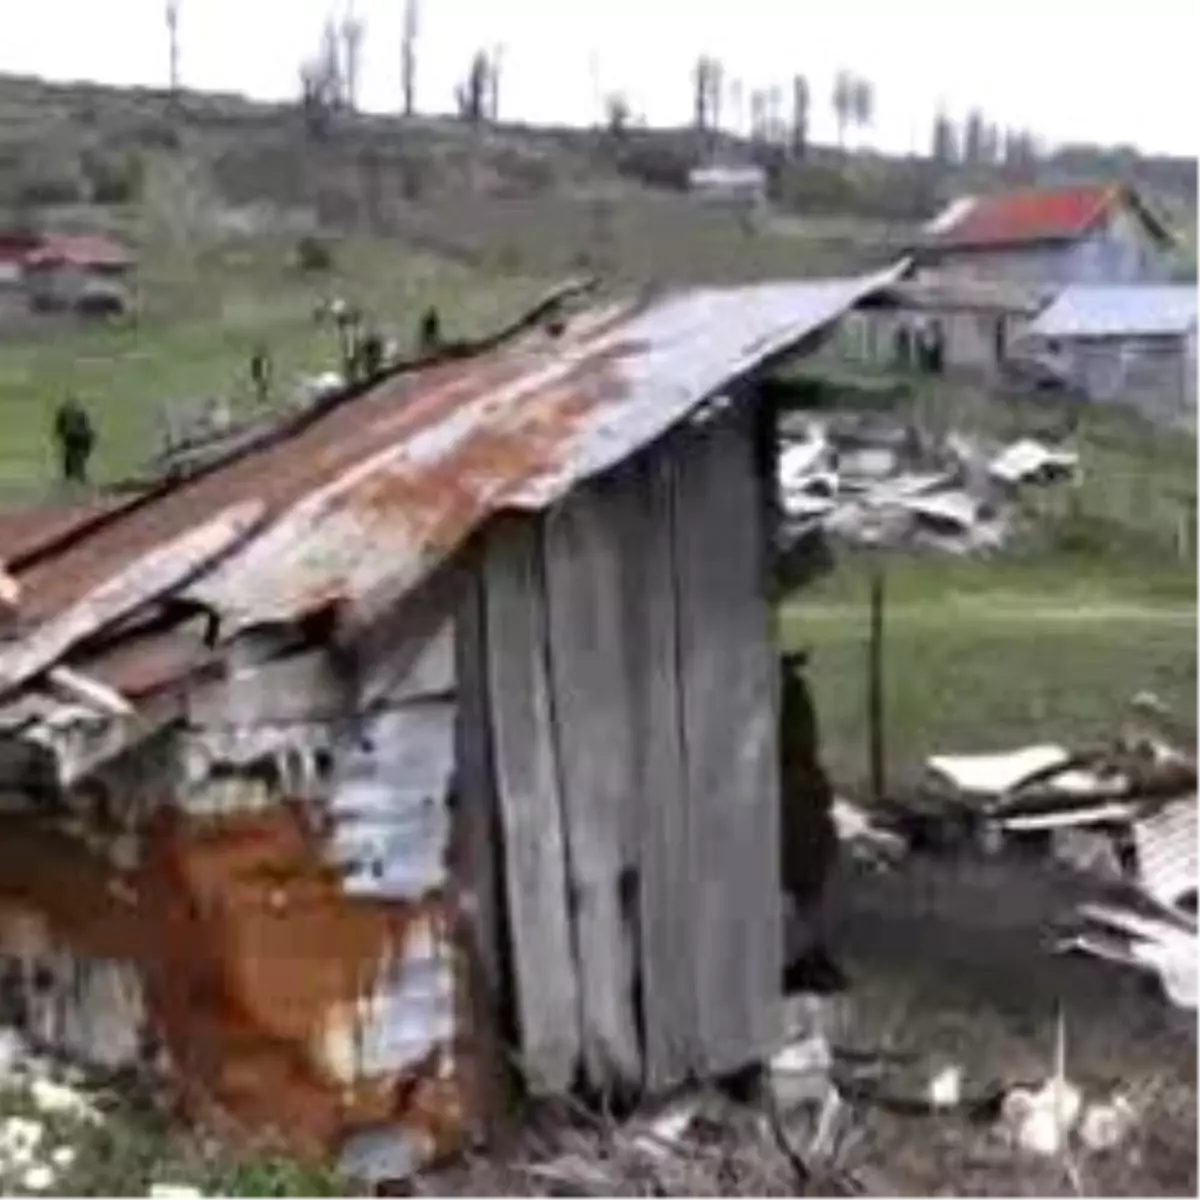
(39, 1178)
(53, 1097)
(945, 1088)
(175, 1191)
(64, 1157)
(1105, 1126)
(19, 1139)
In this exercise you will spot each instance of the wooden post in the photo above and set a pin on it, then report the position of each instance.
(875, 713)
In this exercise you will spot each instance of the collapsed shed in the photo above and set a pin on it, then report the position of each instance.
(437, 733)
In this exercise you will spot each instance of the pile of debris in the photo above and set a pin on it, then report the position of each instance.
(1124, 813)
(871, 480)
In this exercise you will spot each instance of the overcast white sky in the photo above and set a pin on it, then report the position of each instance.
(1070, 69)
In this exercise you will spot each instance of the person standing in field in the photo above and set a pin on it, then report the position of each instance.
(260, 374)
(75, 439)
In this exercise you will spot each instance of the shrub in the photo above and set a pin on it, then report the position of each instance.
(113, 178)
(654, 161)
(314, 255)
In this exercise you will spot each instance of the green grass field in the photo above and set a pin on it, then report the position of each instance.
(988, 668)
(203, 318)
(1048, 641)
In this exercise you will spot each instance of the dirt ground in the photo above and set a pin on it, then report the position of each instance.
(950, 960)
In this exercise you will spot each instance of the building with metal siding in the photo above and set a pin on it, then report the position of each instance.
(1135, 345)
(433, 733)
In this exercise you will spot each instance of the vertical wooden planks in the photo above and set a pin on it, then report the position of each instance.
(666, 884)
(477, 848)
(590, 679)
(523, 756)
(730, 732)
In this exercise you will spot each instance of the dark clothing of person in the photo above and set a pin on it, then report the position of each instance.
(75, 438)
(808, 837)
(430, 333)
(370, 354)
(260, 374)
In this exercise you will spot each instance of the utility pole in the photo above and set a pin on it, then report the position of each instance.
(173, 7)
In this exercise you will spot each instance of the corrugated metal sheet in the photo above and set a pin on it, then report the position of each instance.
(1119, 311)
(26, 530)
(964, 295)
(292, 932)
(520, 443)
(379, 491)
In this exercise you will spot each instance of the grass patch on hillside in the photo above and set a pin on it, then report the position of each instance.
(1092, 602)
(203, 316)
(987, 667)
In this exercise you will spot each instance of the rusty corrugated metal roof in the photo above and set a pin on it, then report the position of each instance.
(27, 529)
(377, 492)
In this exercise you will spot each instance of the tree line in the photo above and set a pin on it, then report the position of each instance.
(779, 116)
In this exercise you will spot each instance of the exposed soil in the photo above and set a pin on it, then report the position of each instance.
(950, 959)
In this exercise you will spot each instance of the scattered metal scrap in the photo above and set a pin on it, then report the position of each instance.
(1124, 813)
(872, 481)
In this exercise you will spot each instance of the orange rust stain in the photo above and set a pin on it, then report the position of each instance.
(246, 944)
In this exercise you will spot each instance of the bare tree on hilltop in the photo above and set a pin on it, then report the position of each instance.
(800, 106)
(617, 114)
(853, 102)
(944, 148)
(172, 15)
(322, 83)
(478, 95)
(351, 32)
(408, 57)
(707, 86)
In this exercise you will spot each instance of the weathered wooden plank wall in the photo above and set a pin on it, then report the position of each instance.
(727, 685)
(525, 764)
(666, 879)
(632, 697)
(590, 680)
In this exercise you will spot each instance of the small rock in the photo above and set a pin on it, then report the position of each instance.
(945, 1088)
(19, 1141)
(800, 1072)
(38, 1178)
(1106, 1126)
(64, 1157)
(174, 1191)
(51, 1097)
(1039, 1121)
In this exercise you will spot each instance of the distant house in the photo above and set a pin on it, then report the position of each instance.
(1136, 344)
(736, 186)
(76, 271)
(976, 320)
(1059, 236)
(985, 266)
(14, 249)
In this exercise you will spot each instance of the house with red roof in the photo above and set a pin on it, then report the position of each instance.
(986, 265)
(1104, 234)
(77, 272)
